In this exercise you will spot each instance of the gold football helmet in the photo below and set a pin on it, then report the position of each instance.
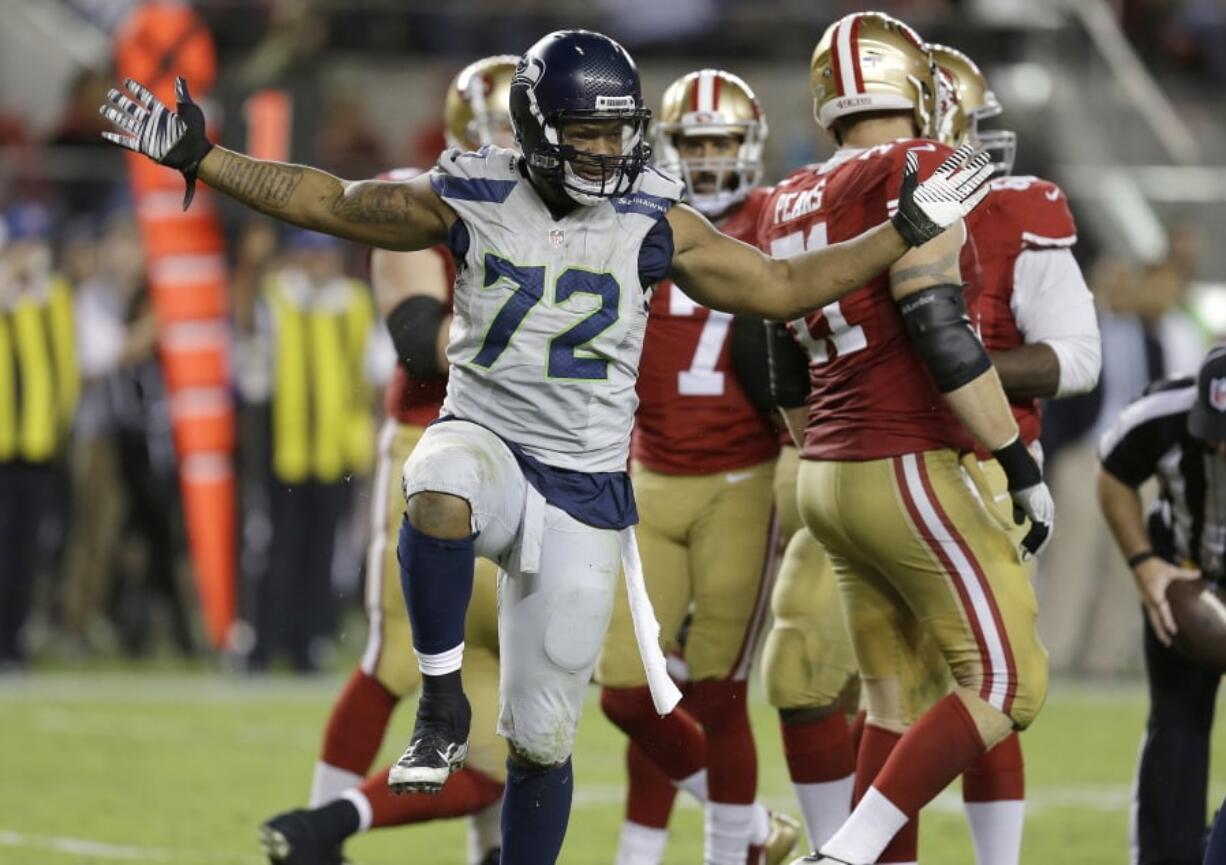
(477, 111)
(712, 103)
(964, 100)
(869, 61)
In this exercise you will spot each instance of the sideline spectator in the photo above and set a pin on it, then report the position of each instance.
(38, 395)
(320, 326)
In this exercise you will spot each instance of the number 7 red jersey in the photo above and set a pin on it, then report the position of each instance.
(871, 395)
(694, 417)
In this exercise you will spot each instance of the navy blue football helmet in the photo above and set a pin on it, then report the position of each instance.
(575, 75)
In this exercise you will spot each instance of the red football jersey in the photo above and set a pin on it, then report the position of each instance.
(409, 400)
(870, 395)
(693, 417)
(1019, 213)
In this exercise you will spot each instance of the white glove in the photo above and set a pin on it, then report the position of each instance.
(1036, 504)
(952, 191)
(176, 140)
(1031, 497)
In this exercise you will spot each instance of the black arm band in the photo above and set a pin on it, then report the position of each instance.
(1140, 558)
(414, 325)
(750, 364)
(789, 367)
(940, 329)
(1018, 465)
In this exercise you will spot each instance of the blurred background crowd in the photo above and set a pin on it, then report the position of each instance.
(1118, 101)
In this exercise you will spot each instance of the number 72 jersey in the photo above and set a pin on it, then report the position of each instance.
(871, 396)
(549, 314)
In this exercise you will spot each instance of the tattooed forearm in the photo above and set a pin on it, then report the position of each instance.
(374, 201)
(943, 270)
(266, 185)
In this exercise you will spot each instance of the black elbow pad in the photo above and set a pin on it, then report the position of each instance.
(940, 329)
(414, 326)
(789, 367)
(750, 364)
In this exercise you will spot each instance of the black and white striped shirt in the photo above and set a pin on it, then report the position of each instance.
(1150, 438)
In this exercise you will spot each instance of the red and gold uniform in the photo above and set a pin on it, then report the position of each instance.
(411, 405)
(1020, 214)
(881, 484)
(703, 462)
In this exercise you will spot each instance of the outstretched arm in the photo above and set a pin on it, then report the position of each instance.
(726, 274)
(392, 215)
(723, 273)
(397, 215)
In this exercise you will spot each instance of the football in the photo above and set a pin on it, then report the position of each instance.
(1199, 608)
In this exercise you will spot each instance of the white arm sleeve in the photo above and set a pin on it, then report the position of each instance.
(1052, 304)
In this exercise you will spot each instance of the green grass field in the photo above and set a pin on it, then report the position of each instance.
(170, 768)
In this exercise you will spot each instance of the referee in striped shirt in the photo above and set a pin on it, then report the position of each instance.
(1176, 433)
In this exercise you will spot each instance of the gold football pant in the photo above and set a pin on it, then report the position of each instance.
(807, 662)
(706, 542)
(389, 656)
(919, 557)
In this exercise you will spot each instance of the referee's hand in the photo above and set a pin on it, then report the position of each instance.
(1153, 576)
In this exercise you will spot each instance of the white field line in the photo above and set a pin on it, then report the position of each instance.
(588, 797)
(120, 852)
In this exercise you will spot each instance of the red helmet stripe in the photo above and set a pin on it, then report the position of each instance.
(849, 64)
(694, 88)
(716, 81)
(855, 53)
(835, 66)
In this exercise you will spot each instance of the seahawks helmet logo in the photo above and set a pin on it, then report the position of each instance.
(529, 72)
(527, 75)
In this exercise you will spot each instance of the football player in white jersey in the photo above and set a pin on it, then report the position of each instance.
(557, 251)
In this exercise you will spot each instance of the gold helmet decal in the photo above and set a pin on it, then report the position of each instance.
(478, 100)
(712, 104)
(871, 62)
(964, 100)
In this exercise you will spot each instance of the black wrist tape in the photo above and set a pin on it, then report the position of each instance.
(1018, 464)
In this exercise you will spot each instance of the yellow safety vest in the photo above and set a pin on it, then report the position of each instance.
(322, 423)
(39, 381)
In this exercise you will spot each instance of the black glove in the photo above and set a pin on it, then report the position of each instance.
(952, 191)
(173, 139)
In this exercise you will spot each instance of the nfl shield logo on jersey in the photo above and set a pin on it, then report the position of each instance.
(557, 237)
(1217, 394)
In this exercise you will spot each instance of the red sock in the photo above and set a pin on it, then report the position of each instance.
(466, 792)
(359, 719)
(649, 792)
(937, 749)
(876, 745)
(675, 743)
(732, 759)
(818, 751)
(857, 729)
(998, 775)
